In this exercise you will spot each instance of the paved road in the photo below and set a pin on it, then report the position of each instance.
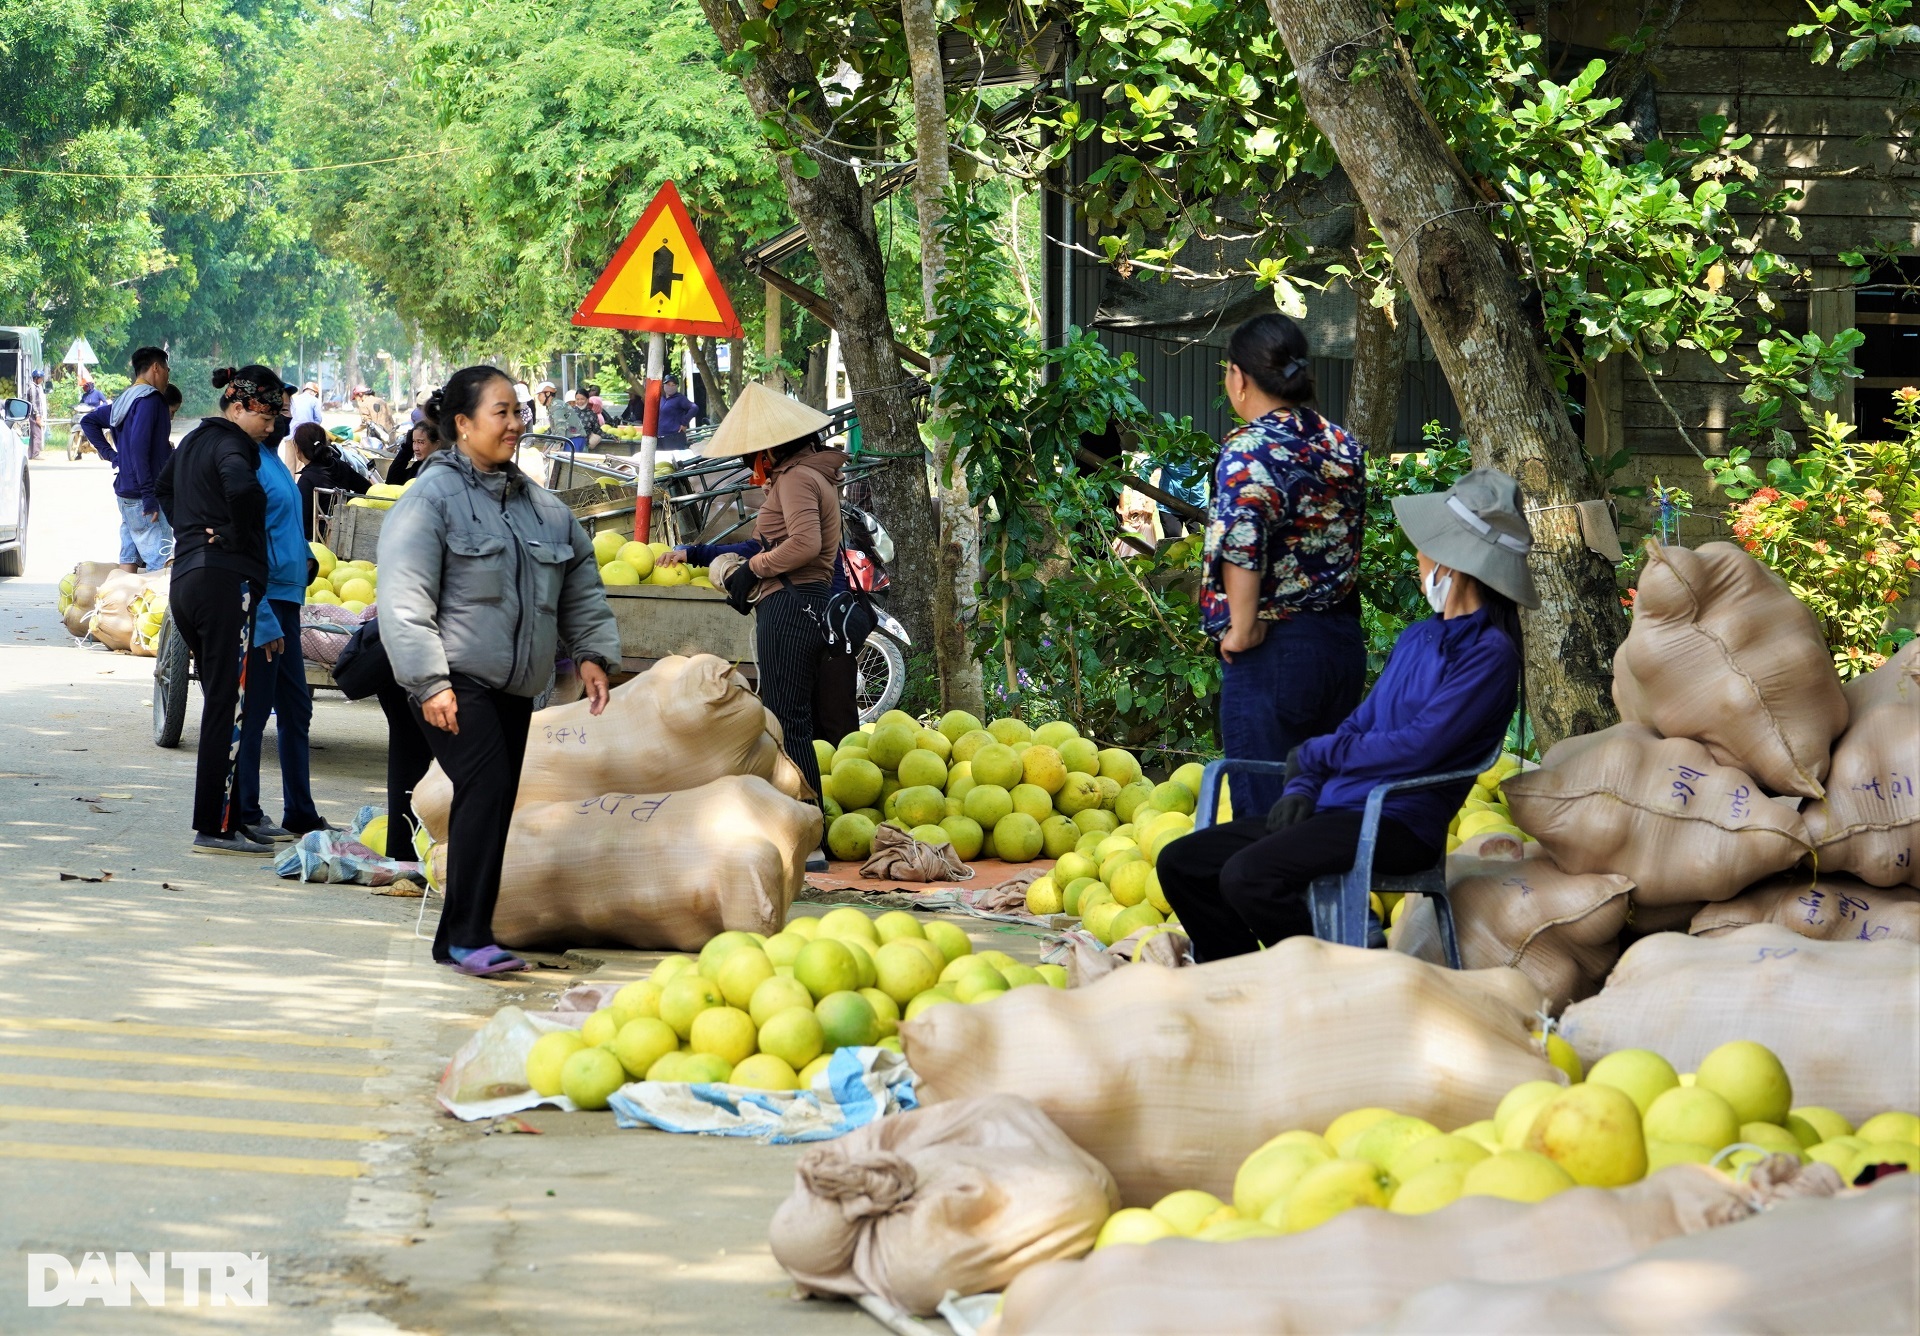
(197, 1055)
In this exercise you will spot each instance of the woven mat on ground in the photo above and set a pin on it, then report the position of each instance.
(998, 891)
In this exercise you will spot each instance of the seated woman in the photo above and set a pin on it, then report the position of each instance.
(1443, 703)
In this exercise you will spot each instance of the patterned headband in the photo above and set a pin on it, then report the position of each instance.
(245, 387)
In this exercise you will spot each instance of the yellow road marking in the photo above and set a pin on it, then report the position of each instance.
(237, 1064)
(181, 1122)
(287, 1037)
(181, 1159)
(123, 1085)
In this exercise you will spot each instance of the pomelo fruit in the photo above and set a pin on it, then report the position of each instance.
(1383, 1141)
(590, 1076)
(1189, 776)
(1692, 1114)
(637, 999)
(1186, 1210)
(639, 556)
(1642, 1075)
(1130, 920)
(1129, 884)
(777, 995)
(1893, 1125)
(668, 1067)
(920, 767)
(1096, 821)
(1131, 798)
(1660, 1154)
(951, 938)
(1593, 1132)
(685, 998)
(897, 923)
(965, 835)
(704, 1068)
(1074, 866)
(902, 972)
(670, 968)
(890, 745)
(1349, 1125)
(850, 837)
(862, 961)
(1775, 1140)
(643, 1042)
(1425, 1152)
(1009, 731)
(719, 947)
(1035, 801)
(793, 1035)
(1155, 895)
(1327, 1190)
(933, 997)
(814, 1070)
(1043, 897)
(804, 925)
(987, 804)
(1560, 1053)
(921, 805)
(849, 924)
(1055, 975)
(1516, 1175)
(783, 948)
(885, 1010)
(826, 966)
(1269, 1174)
(997, 765)
(1081, 756)
(933, 740)
(1016, 838)
(1133, 1224)
(547, 1056)
(1173, 796)
(857, 783)
(1077, 793)
(956, 724)
(764, 1071)
(1433, 1187)
(1042, 767)
(1054, 732)
(742, 972)
(847, 1020)
(1119, 765)
(1022, 976)
(1519, 1099)
(616, 573)
(1820, 1122)
(1100, 918)
(1750, 1078)
(1058, 835)
(727, 1032)
(968, 745)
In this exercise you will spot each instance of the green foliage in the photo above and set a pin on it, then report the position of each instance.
(1858, 31)
(1390, 595)
(1841, 524)
(1782, 376)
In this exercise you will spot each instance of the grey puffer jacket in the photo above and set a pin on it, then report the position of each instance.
(485, 574)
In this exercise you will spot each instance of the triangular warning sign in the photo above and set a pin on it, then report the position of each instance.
(661, 279)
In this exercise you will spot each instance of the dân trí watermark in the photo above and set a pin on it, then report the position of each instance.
(213, 1278)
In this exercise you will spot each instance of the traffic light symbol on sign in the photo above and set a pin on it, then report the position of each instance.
(661, 279)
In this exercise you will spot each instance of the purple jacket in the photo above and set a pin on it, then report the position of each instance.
(143, 441)
(676, 412)
(1442, 703)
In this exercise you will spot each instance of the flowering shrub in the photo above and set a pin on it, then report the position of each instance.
(1841, 524)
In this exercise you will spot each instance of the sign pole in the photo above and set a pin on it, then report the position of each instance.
(649, 437)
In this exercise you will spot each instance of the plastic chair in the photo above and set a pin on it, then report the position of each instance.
(1338, 901)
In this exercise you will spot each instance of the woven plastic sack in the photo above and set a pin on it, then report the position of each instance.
(1171, 1077)
(1722, 652)
(1657, 810)
(1828, 909)
(1560, 929)
(963, 1197)
(111, 621)
(1843, 1016)
(682, 723)
(325, 629)
(1869, 822)
(661, 871)
(1358, 1267)
(1826, 1264)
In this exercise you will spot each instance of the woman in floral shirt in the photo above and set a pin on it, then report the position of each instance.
(1282, 560)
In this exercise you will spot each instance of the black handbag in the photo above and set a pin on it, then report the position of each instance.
(363, 668)
(850, 618)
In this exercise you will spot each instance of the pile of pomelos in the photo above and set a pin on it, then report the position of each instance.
(623, 561)
(353, 585)
(768, 1013)
(1632, 1114)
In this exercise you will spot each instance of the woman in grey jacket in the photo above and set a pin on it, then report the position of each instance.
(483, 574)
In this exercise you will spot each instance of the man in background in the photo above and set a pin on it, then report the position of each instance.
(142, 444)
(37, 415)
(676, 414)
(305, 405)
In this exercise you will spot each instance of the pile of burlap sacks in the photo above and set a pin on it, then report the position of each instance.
(670, 818)
(1744, 785)
(107, 603)
(1047, 1110)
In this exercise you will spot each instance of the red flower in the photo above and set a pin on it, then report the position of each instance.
(1891, 596)
(1767, 494)
(1798, 505)
(1820, 546)
(1913, 565)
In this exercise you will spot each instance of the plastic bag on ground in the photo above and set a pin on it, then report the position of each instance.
(1722, 652)
(661, 871)
(1831, 909)
(1358, 1267)
(1830, 1264)
(1657, 810)
(1843, 1016)
(681, 724)
(1560, 929)
(962, 1197)
(1869, 822)
(1171, 1077)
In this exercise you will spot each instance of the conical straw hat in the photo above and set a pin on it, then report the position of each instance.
(760, 419)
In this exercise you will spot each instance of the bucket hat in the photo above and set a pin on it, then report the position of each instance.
(762, 419)
(1478, 527)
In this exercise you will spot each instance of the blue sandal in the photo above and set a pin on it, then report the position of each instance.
(484, 960)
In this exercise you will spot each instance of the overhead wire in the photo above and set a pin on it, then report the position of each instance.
(222, 176)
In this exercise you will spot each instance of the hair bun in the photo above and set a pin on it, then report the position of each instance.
(222, 376)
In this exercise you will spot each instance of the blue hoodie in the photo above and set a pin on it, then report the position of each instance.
(287, 550)
(142, 437)
(1443, 703)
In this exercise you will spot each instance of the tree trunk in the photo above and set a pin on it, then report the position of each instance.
(1379, 362)
(702, 350)
(838, 218)
(736, 375)
(1470, 307)
(957, 559)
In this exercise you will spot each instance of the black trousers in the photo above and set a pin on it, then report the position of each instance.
(836, 706)
(408, 756)
(213, 611)
(483, 760)
(1237, 888)
(790, 642)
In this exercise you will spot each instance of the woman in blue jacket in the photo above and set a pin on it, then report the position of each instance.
(1443, 703)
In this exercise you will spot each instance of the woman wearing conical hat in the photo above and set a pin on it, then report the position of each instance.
(797, 533)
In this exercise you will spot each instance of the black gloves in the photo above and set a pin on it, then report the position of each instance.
(740, 586)
(1289, 811)
(1293, 767)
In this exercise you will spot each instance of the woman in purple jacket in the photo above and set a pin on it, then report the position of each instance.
(1443, 702)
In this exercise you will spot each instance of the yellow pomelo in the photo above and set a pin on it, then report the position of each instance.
(719, 947)
(1351, 1124)
(619, 573)
(1774, 1140)
(643, 1042)
(1643, 1076)
(1519, 1099)
(1132, 1225)
(903, 972)
(1072, 867)
(323, 555)
(600, 1027)
(606, 546)
(980, 985)
(847, 923)
(725, 1032)
(997, 765)
(803, 925)
(668, 1068)
(353, 605)
(1691, 1114)
(1481, 1134)
(740, 973)
(1269, 1174)
(1022, 976)
(897, 923)
(1016, 838)
(1560, 1053)
(1042, 767)
(1099, 920)
(794, 1036)
(547, 1056)
(1155, 896)
(826, 966)
(639, 556)
(686, 997)
(702, 1068)
(373, 834)
(1131, 919)
(1516, 1175)
(863, 962)
(1383, 1141)
(590, 1076)
(1433, 1187)
(1055, 732)
(1425, 1153)
(1186, 1210)
(924, 769)
(1054, 975)
(783, 948)
(933, 997)
(1883, 1152)
(1889, 1126)
(1327, 1190)
(1043, 897)
(1008, 731)
(1750, 1078)
(814, 1070)
(1593, 1132)
(1129, 884)
(885, 1010)
(670, 968)
(356, 590)
(1233, 1229)
(764, 1071)
(847, 1020)
(777, 995)
(1838, 1151)
(1813, 1124)
(1299, 1136)
(1660, 1154)
(637, 999)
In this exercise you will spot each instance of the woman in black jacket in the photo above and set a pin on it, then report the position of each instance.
(322, 469)
(212, 497)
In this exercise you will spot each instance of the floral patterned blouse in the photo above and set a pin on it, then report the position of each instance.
(1290, 501)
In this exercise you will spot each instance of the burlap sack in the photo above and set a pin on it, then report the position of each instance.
(1171, 1077)
(1722, 652)
(1869, 822)
(662, 871)
(111, 622)
(1360, 1266)
(680, 724)
(899, 856)
(1645, 920)
(1560, 929)
(1656, 810)
(1827, 909)
(88, 576)
(960, 1197)
(1843, 1016)
(1827, 1264)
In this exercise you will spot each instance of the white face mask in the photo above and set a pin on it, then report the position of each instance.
(1437, 590)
